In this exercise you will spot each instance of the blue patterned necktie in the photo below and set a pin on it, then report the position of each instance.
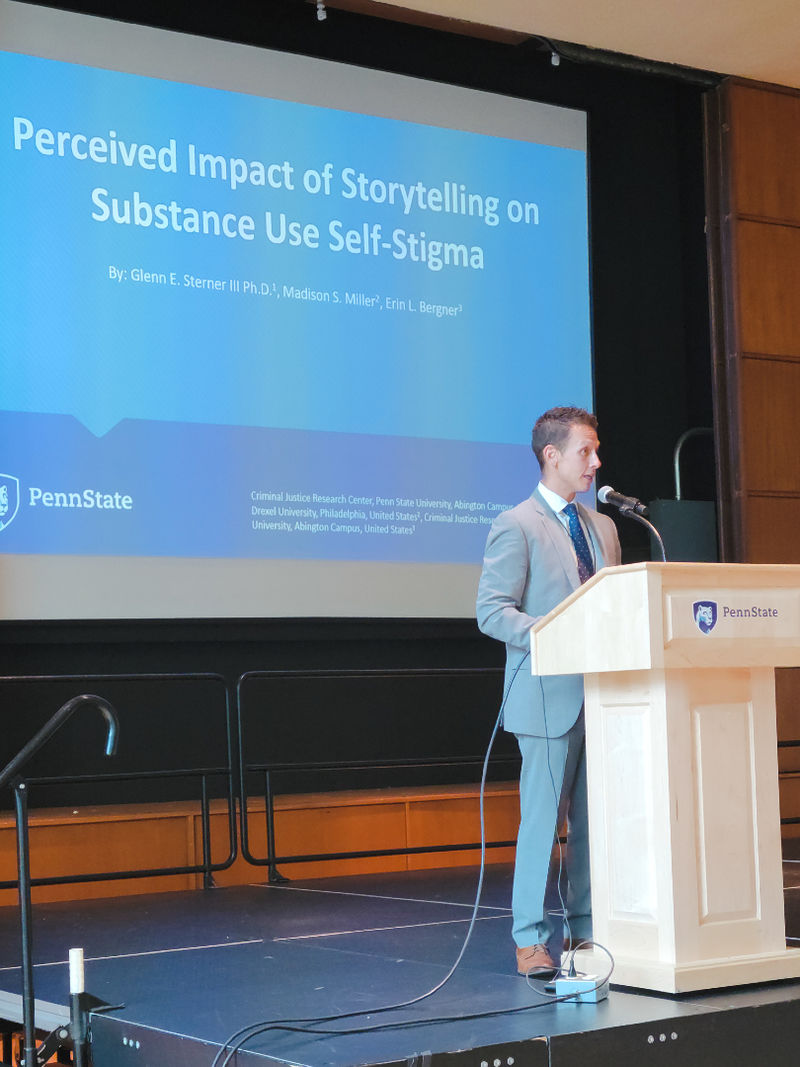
(585, 564)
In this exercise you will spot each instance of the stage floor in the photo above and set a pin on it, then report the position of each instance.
(190, 969)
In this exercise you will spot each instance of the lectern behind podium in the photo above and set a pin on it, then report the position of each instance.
(678, 662)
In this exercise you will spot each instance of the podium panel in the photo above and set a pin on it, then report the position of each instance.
(687, 886)
(687, 890)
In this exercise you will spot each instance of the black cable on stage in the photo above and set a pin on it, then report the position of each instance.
(247, 1033)
(409, 1024)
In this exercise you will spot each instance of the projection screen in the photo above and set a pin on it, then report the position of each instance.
(274, 329)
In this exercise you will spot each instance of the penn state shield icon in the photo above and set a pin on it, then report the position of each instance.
(705, 615)
(9, 499)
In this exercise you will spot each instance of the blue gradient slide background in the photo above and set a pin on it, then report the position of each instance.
(194, 401)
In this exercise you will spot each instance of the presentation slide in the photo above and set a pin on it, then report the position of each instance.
(243, 326)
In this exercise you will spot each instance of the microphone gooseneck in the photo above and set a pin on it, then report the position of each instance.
(632, 509)
(607, 495)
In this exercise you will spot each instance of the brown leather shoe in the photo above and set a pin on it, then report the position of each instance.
(535, 961)
(577, 943)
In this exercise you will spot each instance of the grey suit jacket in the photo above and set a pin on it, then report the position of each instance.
(529, 567)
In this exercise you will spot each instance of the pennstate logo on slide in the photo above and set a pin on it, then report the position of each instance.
(9, 499)
(705, 615)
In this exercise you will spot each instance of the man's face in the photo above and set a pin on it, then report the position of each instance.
(571, 469)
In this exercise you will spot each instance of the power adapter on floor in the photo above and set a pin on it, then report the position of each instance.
(588, 989)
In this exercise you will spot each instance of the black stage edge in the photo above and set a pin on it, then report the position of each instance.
(191, 968)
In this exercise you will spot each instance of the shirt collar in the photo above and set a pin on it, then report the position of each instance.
(553, 500)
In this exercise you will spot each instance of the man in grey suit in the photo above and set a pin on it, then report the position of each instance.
(537, 554)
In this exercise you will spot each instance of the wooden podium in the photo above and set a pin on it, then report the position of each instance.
(678, 659)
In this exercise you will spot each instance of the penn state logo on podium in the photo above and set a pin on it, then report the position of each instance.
(705, 615)
(9, 499)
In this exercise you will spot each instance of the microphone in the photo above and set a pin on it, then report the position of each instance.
(607, 495)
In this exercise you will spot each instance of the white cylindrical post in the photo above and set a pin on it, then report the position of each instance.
(76, 978)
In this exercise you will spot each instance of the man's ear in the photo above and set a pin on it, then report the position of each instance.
(550, 453)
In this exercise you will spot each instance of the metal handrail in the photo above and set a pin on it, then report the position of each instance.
(695, 431)
(380, 765)
(10, 775)
(206, 867)
(271, 859)
(54, 723)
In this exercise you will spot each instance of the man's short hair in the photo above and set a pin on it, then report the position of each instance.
(553, 428)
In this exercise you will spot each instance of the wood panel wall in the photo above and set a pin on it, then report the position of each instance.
(753, 172)
(754, 182)
(67, 842)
